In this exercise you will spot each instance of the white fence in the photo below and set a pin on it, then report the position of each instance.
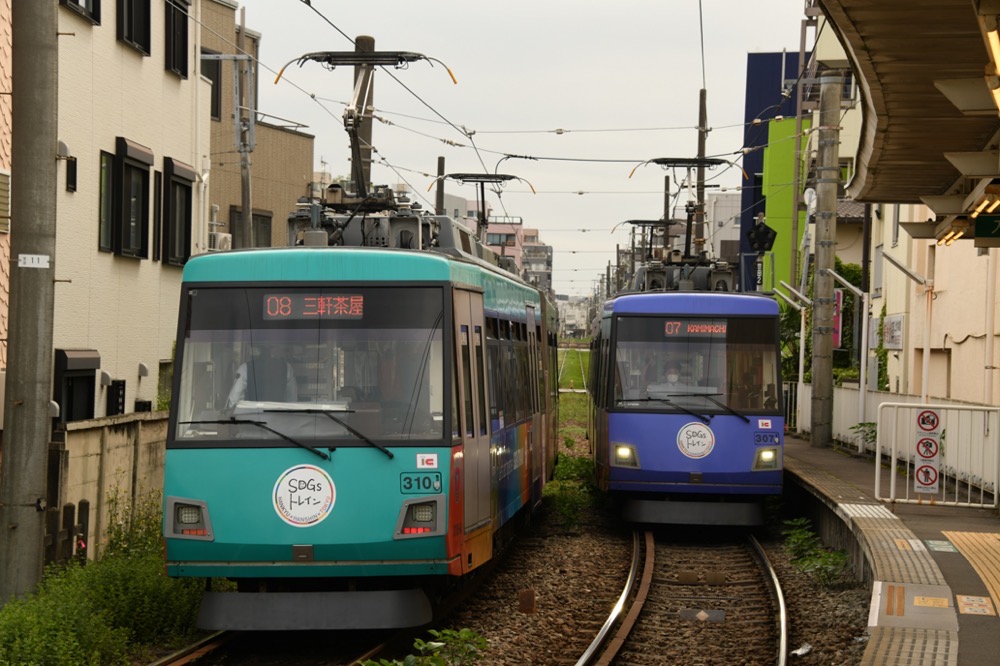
(941, 454)
(969, 441)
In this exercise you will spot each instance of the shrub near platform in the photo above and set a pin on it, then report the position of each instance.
(111, 611)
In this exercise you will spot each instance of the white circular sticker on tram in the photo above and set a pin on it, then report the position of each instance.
(304, 495)
(695, 440)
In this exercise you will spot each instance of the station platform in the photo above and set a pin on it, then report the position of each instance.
(935, 569)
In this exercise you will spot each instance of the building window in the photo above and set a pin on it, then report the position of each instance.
(4, 201)
(261, 221)
(177, 204)
(177, 37)
(106, 212)
(133, 24)
(130, 218)
(212, 70)
(89, 9)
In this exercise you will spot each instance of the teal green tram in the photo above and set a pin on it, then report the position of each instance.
(355, 426)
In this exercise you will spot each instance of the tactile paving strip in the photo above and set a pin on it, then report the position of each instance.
(882, 535)
(900, 646)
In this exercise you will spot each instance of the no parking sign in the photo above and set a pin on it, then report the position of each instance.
(925, 475)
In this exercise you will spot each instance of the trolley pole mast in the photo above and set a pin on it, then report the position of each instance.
(27, 419)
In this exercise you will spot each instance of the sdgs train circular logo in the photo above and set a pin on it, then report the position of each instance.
(695, 440)
(304, 495)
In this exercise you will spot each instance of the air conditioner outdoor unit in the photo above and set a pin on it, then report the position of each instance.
(218, 241)
(511, 243)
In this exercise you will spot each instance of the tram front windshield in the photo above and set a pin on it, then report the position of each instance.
(709, 365)
(311, 364)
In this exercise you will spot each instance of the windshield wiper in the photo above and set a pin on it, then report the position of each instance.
(703, 418)
(261, 425)
(726, 407)
(329, 414)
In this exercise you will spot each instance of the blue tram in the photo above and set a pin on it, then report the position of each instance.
(686, 424)
(354, 426)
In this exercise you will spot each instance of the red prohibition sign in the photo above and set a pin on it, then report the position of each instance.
(927, 420)
(927, 447)
(927, 475)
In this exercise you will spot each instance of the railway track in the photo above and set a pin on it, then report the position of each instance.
(326, 648)
(694, 602)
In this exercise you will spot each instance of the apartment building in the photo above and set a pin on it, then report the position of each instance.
(131, 197)
(281, 159)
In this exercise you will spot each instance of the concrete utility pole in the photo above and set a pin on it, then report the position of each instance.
(244, 120)
(827, 180)
(27, 420)
(699, 227)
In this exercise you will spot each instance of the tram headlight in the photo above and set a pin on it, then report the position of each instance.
(625, 455)
(766, 459)
(188, 519)
(423, 513)
(188, 515)
(421, 517)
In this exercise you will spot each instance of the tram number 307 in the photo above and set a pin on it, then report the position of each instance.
(420, 482)
(765, 438)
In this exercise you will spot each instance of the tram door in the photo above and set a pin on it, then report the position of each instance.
(470, 362)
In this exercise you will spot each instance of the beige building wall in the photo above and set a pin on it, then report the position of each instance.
(6, 46)
(122, 307)
(282, 160)
(947, 321)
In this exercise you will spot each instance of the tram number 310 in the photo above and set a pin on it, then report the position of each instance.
(420, 482)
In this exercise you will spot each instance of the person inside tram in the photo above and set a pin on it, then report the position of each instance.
(669, 381)
(266, 378)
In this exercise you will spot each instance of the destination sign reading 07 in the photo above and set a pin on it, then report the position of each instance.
(695, 328)
(313, 306)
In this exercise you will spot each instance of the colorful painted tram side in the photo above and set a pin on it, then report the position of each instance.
(352, 430)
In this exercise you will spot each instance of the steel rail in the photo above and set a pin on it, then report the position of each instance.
(591, 651)
(775, 585)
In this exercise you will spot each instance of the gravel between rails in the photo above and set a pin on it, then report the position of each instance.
(577, 571)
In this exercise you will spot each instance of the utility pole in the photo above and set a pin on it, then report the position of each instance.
(244, 128)
(439, 194)
(827, 180)
(27, 419)
(699, 212)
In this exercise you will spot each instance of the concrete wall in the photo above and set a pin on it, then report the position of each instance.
(118, 458)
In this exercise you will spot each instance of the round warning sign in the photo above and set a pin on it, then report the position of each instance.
(695, 440)
(304, 495)
(927, 475)
(928, 420)
(927, 447)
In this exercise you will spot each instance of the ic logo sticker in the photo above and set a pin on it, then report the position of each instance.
(695, 440)
(304, 496)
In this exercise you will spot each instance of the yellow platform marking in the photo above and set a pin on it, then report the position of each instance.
(895, 600)
(982, 550)
(974, 605)
(932, 602)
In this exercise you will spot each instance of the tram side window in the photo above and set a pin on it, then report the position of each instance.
(467, 382)
(493, 370)
(480, 368)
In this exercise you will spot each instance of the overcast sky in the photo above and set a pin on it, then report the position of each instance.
(620, 77)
